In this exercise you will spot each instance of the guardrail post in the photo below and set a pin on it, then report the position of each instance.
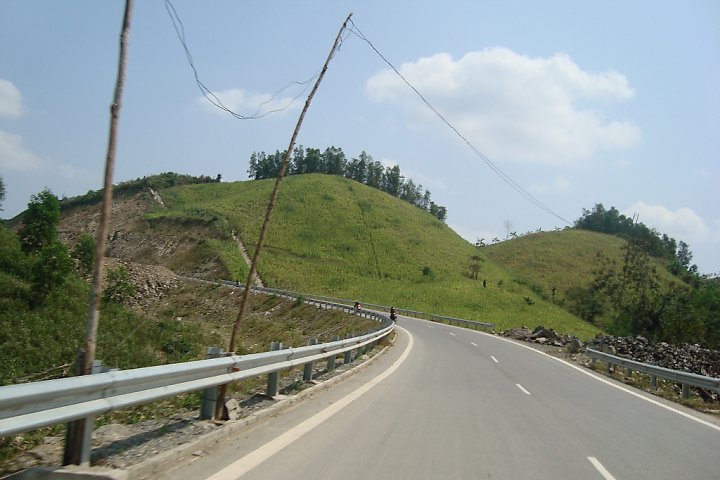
(685, 390)
(331, 359)
(628, 372)
(348, 354)
(308, 370)
(78, 436)
(653, 381)
(274, 377)
(209, 395)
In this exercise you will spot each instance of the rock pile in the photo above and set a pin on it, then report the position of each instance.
(545, 336)
(685, 357)
(151, 281)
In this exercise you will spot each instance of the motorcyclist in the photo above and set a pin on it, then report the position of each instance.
(393, 315)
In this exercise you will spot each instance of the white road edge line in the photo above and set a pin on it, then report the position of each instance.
(494, 359)
(522, 389)
(608, 382)
(473, 344)
(600, 468)
(258, 456)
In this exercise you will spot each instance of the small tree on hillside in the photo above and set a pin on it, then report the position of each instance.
(475, 266)
(40, 222)
(84, 253)
(51, 268)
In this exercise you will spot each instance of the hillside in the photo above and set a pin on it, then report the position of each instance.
(557, 265)
(329, 235)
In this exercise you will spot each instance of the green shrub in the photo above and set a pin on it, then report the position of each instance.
(118, 286)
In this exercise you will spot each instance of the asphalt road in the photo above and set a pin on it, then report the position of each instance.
(450, 403)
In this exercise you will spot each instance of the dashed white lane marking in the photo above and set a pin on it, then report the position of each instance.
(473, 344)
(600, 468)
(494, 359)
(451, 333)
(609, 383)
(258, 456)
(522, 389)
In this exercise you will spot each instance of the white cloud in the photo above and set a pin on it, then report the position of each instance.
(11, 104)
(682, 224)
(512, 106)
(249, 104)
(14, 155)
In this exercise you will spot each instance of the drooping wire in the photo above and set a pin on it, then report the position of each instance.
(503, 176)
(210, 96)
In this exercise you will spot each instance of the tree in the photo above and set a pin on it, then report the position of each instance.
(313, 161)
(475, 266)
(84, 253)
(374, 173)
(40, 222)
(334, 162)
(391, 180)
(51, 268)
(357, 168)
(633, 290)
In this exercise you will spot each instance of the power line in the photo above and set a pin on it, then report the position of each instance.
(179, 27)
(503, 176)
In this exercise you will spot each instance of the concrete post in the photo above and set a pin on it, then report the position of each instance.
(209, 395)
(308, 369)
(86, 449)
(348, 354)
(331, 359)
(274, 377)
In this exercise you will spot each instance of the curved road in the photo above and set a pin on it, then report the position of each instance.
(451, 403)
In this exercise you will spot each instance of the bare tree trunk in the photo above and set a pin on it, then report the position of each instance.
(72, 447)
(268, 214)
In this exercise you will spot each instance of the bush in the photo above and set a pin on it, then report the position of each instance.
(118, 286)
(84, 253)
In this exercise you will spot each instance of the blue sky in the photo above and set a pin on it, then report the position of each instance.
(580, 103)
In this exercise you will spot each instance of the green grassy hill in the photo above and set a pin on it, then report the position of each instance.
(334, 236)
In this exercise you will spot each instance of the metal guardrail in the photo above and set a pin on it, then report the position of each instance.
(342, 302)
(34, 405)
(686, 379)
(460, 321)
(40, 404)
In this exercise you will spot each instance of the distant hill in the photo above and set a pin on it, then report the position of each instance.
(329, 235)
(555, 265)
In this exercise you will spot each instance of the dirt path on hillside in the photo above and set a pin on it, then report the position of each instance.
(243, 252)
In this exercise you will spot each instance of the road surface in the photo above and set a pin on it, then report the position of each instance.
(451, 403)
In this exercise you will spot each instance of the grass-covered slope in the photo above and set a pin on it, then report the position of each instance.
(562, 260)
(335, 236)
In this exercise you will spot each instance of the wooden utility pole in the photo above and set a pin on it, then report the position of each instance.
(268, 214)
(77, 429)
